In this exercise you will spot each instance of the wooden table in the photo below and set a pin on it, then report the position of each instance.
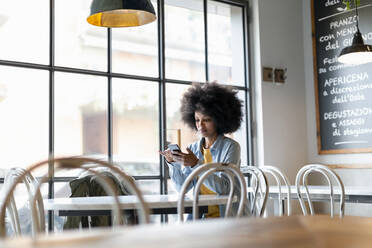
(275, 232)
(102, 205)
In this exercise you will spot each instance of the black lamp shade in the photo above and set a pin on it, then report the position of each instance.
(357, 53)
(121, 13)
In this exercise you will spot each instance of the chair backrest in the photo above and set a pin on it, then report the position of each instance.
(280, 178)
(301, 180)
(201, 173)
(258, 181)
(87, 164)
(33, 190)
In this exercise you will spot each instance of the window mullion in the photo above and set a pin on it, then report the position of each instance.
(51, 109)
(162, 97)
(109, 95)
(205, 10)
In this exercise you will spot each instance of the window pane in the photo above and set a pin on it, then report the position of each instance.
(241, 134)
(149, 187)
(136, 126)
(80, 115)
(174, 122)
(225, 43)
(24, 31)
(184, 40)
(78, 44)
(25, 116)
(135, 49)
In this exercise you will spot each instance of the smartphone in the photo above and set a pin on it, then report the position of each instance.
(174, 148)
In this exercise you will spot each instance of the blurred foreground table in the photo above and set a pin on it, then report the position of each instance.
(275, 232)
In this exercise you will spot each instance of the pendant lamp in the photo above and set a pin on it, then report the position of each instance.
(121, 13)
(358, 53)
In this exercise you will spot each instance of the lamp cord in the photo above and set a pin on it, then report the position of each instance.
(356, 12)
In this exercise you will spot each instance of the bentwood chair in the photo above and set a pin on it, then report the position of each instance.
(224, 170)
(260, 189)
(330, 176)
(87, 164)
(32, 190)
(280, 178)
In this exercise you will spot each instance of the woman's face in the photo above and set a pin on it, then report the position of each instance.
(205, 125)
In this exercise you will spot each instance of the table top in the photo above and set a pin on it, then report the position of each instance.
(274, 232)
(353, 194)
(324, 189)
(128, 202)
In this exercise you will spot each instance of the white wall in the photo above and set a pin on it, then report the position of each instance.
(285, 114)
(359, 177)
(284, 122)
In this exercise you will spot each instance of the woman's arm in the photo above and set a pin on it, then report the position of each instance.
(179, 175)
(189, 160)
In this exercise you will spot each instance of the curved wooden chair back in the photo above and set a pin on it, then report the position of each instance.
(201, 173)
(302, 180)
(280, 178)
(87, 164)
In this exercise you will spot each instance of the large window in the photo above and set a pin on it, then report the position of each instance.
(70, 88)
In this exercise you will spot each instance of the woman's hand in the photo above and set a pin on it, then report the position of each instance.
(186, 159)
(167, 155)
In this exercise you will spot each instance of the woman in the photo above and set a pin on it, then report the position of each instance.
(213, 110)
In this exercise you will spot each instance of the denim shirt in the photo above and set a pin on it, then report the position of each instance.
(223, 150)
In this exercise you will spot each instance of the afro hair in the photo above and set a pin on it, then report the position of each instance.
(216, 101)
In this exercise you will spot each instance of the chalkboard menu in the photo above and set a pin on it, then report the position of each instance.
(343, 92)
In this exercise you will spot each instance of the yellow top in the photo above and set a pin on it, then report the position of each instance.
(213, 211)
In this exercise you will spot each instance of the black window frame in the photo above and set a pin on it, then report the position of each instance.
(161, 80)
